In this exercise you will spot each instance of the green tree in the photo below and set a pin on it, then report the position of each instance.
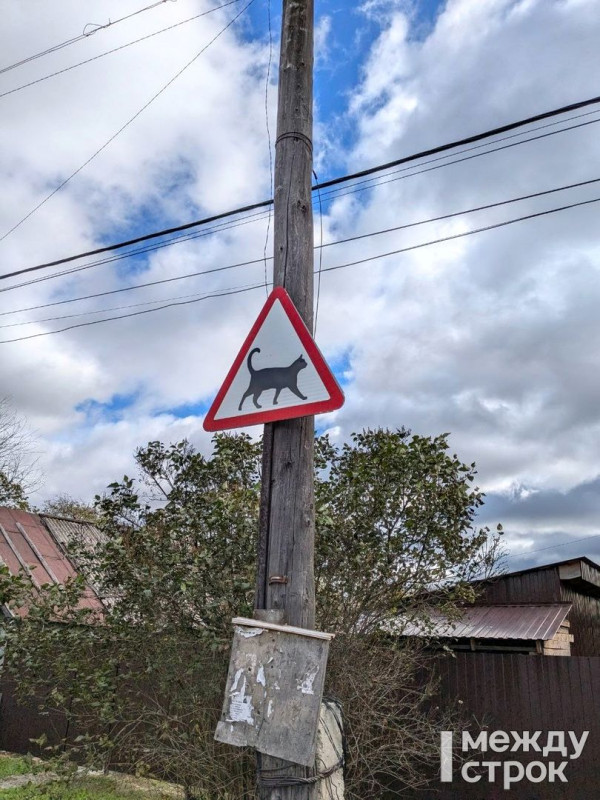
(144, 677)
(12, 494)
(395, 529)
(63, 505)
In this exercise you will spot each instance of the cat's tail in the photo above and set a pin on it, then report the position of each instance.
(249, 360)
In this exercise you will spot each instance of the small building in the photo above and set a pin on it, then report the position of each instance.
(575, 581)
(500, 676)
(37, 545)
(534, 629)
(552, 610)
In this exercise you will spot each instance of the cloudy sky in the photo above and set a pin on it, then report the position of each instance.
(493, 337)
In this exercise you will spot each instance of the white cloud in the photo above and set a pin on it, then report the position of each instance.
(492, 337)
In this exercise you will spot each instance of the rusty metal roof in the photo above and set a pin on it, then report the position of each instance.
(27, 545)
(524, 621)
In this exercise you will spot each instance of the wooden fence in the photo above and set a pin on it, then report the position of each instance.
(501, 692)
(20, 724)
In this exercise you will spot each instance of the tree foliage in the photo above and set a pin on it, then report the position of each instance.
(143, 679)
(395, 529)
(63, 505)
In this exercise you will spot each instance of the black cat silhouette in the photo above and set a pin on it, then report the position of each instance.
(277, 378)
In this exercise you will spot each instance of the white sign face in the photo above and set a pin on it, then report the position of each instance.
(278, 374)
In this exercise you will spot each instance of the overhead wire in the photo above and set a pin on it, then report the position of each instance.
(128, 123)
(136, 240)
(223, 293)
(357, 262)
(99, 311)
(140, 251)
(81, 37)
(115, 49)
(461, 235)
(217, 217)
(552, 547)
(267, 203)
(144, 285)
(467, 140)
(453, 214)
(320, 248)
(357, 237)
(496, 141)
(466, 158)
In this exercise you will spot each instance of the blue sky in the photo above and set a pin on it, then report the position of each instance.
(493, 337)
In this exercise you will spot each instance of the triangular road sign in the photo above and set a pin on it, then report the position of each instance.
(278, 374)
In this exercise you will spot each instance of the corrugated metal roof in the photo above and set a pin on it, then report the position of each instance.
(526, 621)
(28, 546)
(65, 531)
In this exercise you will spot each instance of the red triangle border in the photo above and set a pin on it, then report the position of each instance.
(336, 395)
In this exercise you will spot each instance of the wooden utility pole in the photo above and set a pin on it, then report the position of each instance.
(285, 578)
(286, 551)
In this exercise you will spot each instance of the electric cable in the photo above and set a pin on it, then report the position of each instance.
(552, 547)
(79, 38)
(461, 235)
(357, 237)
(131, 254)
(453, 214)
(198, 223)
(127, 124)
(468, 140)
(137, 240)
(320, 248)
(115, 49)
(144, 285)
(327, 269)
(266, 203)
(477, 147)
(467, 158)
(224, 293)
(98, 311)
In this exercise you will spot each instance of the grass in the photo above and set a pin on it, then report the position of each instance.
(86, 787)
(105, 788)
(14, 765)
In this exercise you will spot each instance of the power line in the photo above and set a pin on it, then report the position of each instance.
(256, 217)
(553, 547)
(133, 253)
(362, 185)
(468, 140)
(98, 311)
(320, 248)
(115, 49)
(404, 226)
(127, 124)
(137, 240)
(267, 79)
(143, 285)
(461, 235)
(267, 203)
(235, 290)
(327, 269)
(465, 211)
(79, 38)
(222, 226)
